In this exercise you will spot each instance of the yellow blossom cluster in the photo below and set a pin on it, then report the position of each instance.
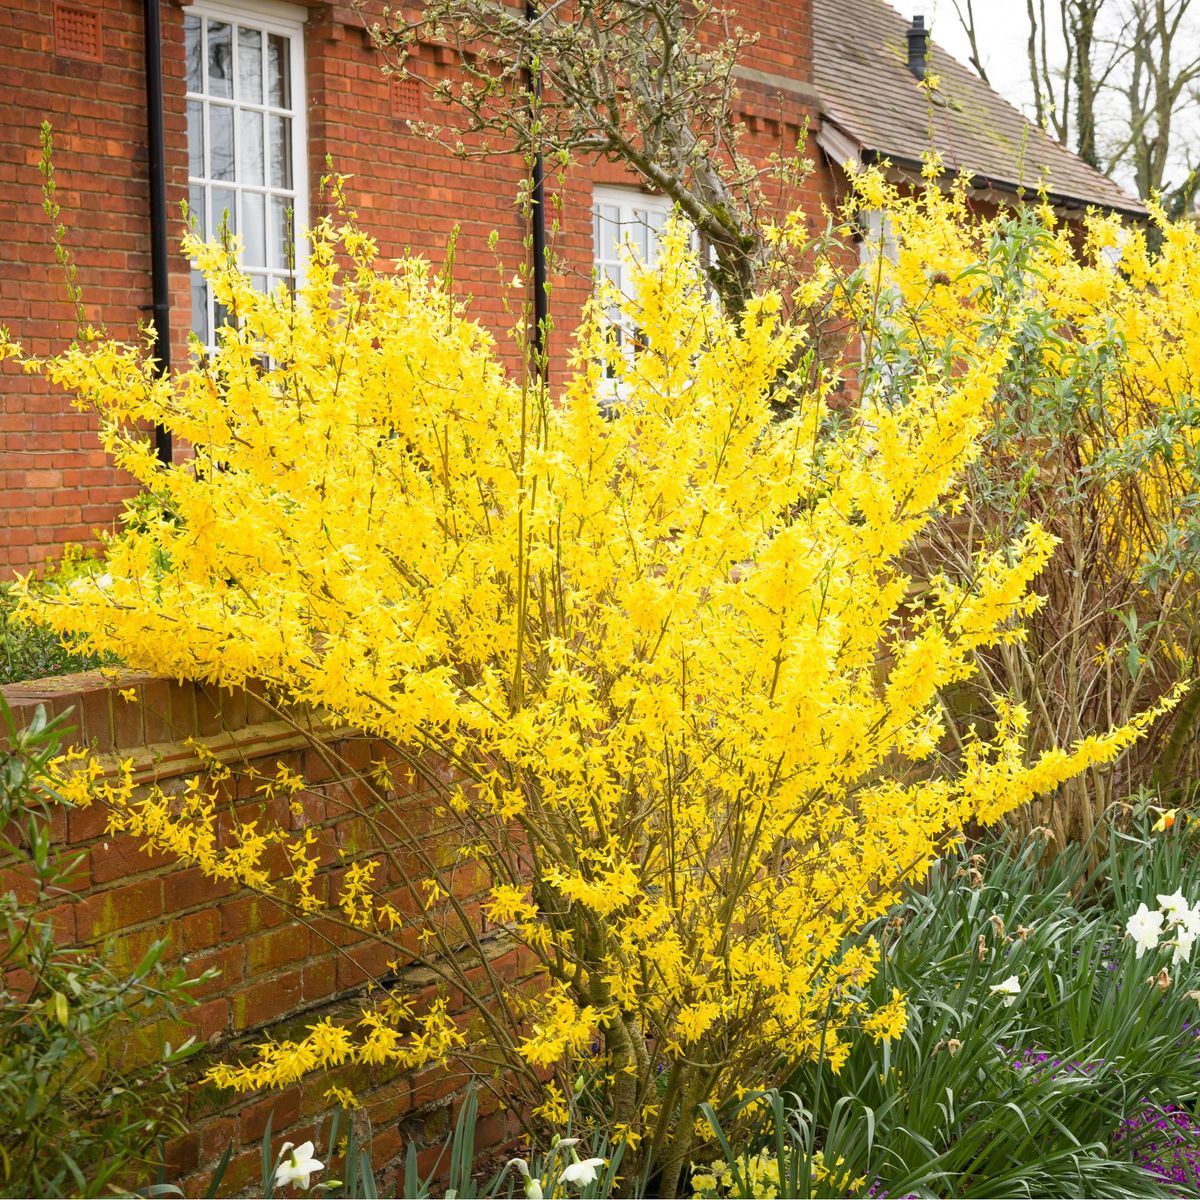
(1100, 284)
(1089, 453)
(329, 1044)
(759, 1175)
(888, 1021)
(659, 625)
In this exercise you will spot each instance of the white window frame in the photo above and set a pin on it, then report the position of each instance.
(877, 235)
(286, 20)
(633, 208)
(877, 242)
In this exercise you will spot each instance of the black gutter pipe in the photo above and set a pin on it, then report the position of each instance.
(160, 304)
(537, 219)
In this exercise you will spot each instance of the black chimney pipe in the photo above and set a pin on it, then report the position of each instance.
(160, 302)
(918, 44)
(537, 217)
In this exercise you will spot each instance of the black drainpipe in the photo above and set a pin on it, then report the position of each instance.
(537, 219)
(160, 306)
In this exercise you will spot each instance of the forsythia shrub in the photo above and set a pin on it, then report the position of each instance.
(666, 643)
(1092, 433)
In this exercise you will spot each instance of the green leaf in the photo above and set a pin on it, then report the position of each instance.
(269, 1162)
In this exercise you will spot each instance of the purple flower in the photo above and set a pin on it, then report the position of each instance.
(1167, 1143)
(876, 1192)
(1028, 1059)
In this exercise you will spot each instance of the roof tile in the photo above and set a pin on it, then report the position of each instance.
(860, 61)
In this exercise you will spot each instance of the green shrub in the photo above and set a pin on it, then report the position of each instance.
(31, 652)
(87, 1091)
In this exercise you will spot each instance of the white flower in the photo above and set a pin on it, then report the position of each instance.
(1144, 927)
(297, 1165)
(1009, 988)
(104, 582)
(581, 1173)
(533, 1187)
(1175, 907)
(1190, 920)
(1184, 938)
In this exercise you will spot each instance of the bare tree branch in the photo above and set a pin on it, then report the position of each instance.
(967, 20)
(649, 83)
(1122, 88)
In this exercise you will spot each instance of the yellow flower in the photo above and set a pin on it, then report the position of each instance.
(668, 684)
(890, 1020)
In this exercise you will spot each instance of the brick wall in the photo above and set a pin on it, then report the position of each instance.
(275, 973)
(56, 483)
(57, 487)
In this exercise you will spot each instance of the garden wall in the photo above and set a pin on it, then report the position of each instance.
(276, 974)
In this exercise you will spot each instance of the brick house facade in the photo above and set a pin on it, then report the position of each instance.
(302, 82)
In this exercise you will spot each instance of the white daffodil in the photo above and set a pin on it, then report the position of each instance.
(1184, 938)
(297, 1165)
(1145, 927)
(582, 1173)
(1190, 920)
(533, 1187)
(1175, 907)
(1009, 988)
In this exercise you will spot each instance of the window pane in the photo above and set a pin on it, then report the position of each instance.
(250, 146)
(259, 282)
(281, 152)
(657, 221)
(636, 235)
(254, 230)
(199, 306)
(224, 209)
(279, 70)
(220, 151)
(610, 224)
(220, 59)
(241, 160)
(196, 209)
(195, 113)
(281, 240)
(192, 52)
(250, 66)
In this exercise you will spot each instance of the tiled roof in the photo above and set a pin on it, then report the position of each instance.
(860, 59)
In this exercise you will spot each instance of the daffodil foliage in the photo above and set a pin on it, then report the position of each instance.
(663, 639)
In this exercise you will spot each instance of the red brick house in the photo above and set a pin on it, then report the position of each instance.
(256, 93)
